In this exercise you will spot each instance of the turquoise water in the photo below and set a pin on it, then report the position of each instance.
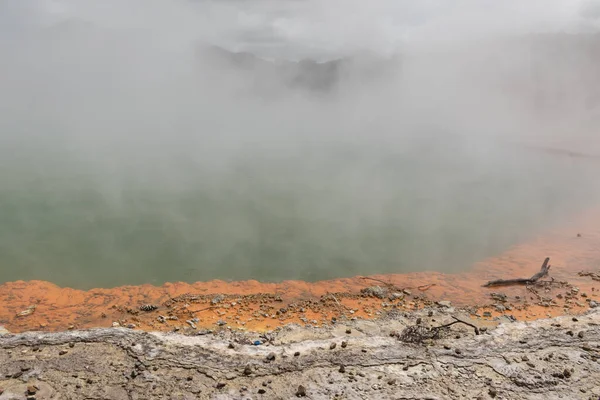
(312, 213)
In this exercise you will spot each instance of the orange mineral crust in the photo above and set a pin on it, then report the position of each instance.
(252, 305)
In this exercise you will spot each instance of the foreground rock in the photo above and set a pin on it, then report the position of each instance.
(547, 359)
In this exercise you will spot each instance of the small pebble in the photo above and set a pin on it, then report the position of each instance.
(332, 346)
(301, 392)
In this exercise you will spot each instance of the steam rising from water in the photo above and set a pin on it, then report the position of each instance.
(152, 141)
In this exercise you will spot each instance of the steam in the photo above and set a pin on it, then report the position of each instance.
(153, 141)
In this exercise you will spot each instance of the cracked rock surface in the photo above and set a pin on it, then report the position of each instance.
(550, 359)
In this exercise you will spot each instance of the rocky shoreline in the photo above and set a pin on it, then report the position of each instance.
(547, 358)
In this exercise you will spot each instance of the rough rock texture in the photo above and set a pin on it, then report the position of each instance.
(549, 359)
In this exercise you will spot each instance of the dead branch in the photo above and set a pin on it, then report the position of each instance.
(420, 333)
(457, 320)
(522, 281)
(202, 309)
(335, 299)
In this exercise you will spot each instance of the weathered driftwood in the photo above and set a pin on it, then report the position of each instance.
(522, 281)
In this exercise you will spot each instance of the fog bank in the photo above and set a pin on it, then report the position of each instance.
(152, 141)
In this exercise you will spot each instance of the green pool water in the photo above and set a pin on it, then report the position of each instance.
(313, 212)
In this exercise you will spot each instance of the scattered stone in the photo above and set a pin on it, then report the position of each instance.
(271, 356)
(4, 331)
(231, 345)
(32, 389)
(499, 307)
(262, 391)
(392, 381)
(217, 299)
(594, 304)
(332, 346)
(296, 354)
(28, 311)
(348, 331)
(501, 297)
(221, 322)
(220, 385)
(191, 323)
(580, 335)
(407, 292)
(487, 314)
(301, 392)
(62, 352)
(247, 370)
(492, 392)
(342, 369)
(374, 291)
(344, 344)
(444, 303)
(148, 307)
